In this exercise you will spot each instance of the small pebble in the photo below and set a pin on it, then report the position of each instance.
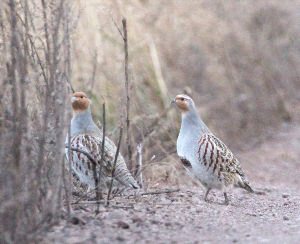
(76, 221)
(123, 225)
(120, 238)
(285, 218)
(137, 219)
(168, 224)
(154, 221)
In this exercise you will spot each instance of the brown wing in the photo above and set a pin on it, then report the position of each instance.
(230, 165)
(92, 145)
(226, 156)
(215, 155)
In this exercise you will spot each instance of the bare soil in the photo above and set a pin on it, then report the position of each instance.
(272, 215)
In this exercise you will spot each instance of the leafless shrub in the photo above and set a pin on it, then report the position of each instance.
(34, 86)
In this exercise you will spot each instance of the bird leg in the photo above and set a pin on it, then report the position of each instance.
(206, 194)
(226, 202)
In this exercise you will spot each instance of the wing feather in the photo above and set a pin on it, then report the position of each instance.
(216, 156)
(92, 145)
(231, 163)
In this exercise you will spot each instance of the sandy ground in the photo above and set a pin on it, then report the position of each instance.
(270, 216)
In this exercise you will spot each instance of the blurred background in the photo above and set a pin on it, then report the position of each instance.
(239, 60)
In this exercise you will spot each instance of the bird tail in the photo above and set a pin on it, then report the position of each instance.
(246, 186)
(131, 182)
(126, 179)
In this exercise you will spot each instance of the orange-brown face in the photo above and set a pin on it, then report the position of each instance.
(80, 101)
(182, 102)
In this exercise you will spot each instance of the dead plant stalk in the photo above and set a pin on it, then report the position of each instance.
(127, 90)
(114, 167)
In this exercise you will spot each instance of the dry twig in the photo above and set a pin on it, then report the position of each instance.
(127, 89)
(85, 153)
(69, 187)
(114, 166)
(165, 191)
(103, 137)
(98, 190)
(138, 171)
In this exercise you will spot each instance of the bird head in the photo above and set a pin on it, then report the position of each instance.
(80, 102)
(184, 103)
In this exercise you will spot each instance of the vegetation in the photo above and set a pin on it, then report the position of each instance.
(239, 61)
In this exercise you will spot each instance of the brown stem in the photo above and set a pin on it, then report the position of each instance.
(102, 148)
(70, 173)
(127, 87)
(46, 32)
(13, 78)
(114, 166)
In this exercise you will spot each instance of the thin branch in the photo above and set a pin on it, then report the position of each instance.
(114, 166)
(88, 202)
(13, 77)
(158, 192)
(119, 30)
(38, 57)
(33, 47)
(127, 85)
(103, 142)
(66, 189)
(46, 33)
(83, 152)
(96, 179)
(70, 172)
(138, 171)
(96, 202)
(165, 191)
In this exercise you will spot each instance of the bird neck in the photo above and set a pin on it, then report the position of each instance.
(82, 122)
(191, 121)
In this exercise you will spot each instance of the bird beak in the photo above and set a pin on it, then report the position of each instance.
(173, 102)
(73, 99)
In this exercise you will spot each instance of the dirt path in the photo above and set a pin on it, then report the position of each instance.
(273, 216)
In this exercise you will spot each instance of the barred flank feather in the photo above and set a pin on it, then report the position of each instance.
(220, 161)
(92, 145)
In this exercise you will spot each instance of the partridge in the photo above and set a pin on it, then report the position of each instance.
(204, 155)
(87, 137)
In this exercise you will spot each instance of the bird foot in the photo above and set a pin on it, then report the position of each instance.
(208, 201)
(206, 195)
(226, 201)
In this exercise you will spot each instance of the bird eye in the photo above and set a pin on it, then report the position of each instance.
(182, 99)
(81, 97)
